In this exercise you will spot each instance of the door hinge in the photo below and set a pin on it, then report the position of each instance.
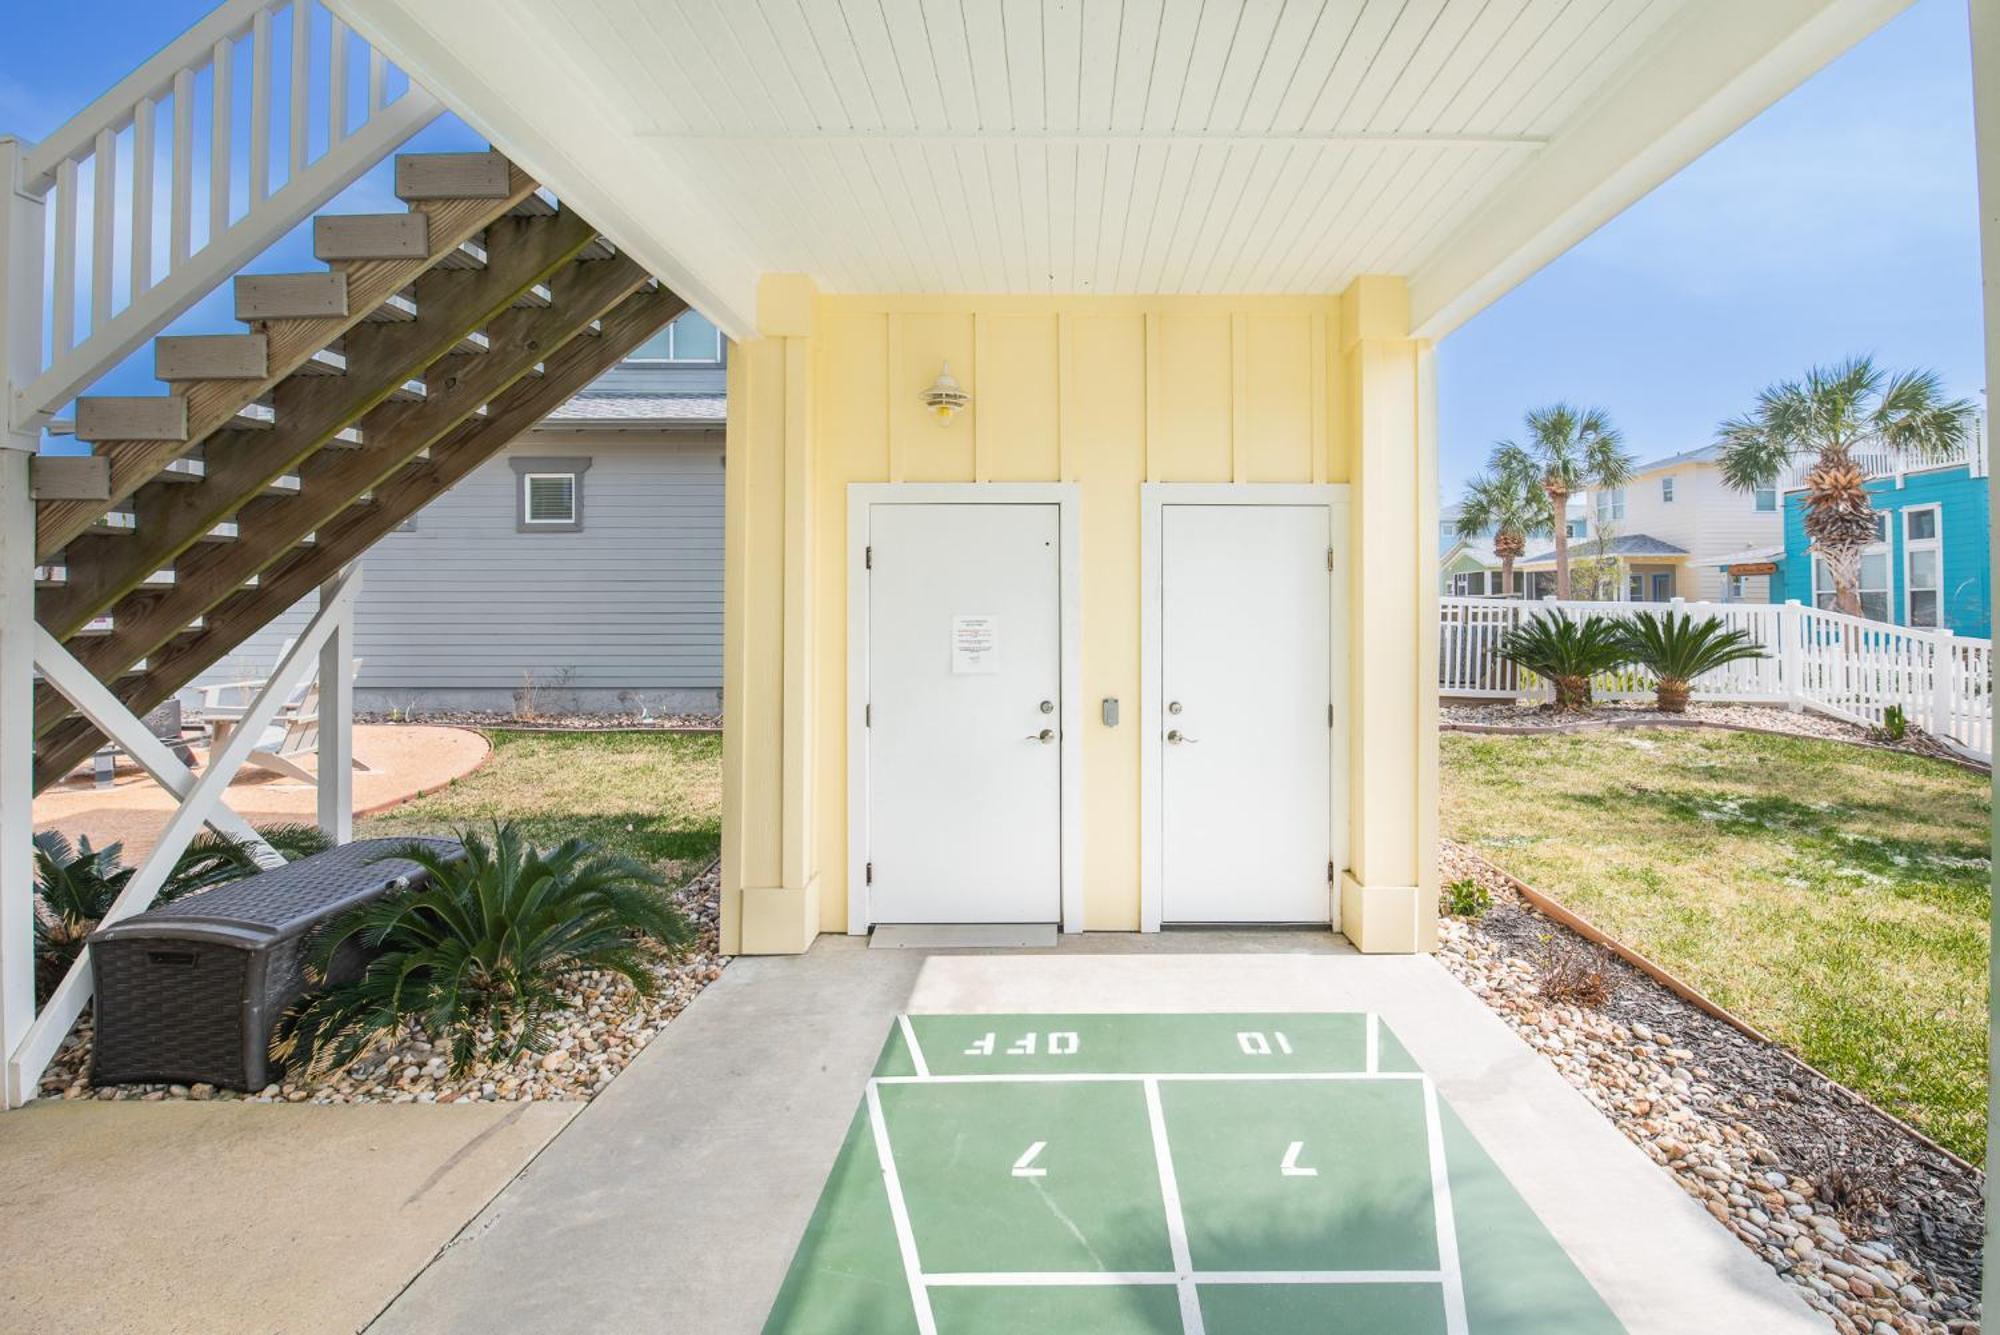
(1329, 558)
(868, 873)
(1329, 716)
(868, 558)
(868, 716)
(1329, 872)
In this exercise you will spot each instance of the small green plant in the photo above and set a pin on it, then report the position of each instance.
(1895, 724)
(1677, 650)
(1568, 653)
(1467, 898)
(478, 956)
(74, 886)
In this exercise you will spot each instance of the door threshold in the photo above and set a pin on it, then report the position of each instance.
(963, 936)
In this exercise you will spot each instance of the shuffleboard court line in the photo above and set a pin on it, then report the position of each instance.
(899, 1212)
(1447, 1225)
(1161, 1077)
(916, 1048)
(1374, 1043)
(1170, 1196)
(1083, 1279)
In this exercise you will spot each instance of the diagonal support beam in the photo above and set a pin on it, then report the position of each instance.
(568, 371)
(212, 405)
(394, 433)
(110, 716)
(521, 252)
(32, 1055)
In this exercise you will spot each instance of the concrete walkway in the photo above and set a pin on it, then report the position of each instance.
(674, 1202)
(234, 1216)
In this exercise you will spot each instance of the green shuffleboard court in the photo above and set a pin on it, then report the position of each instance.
(1212, 1174)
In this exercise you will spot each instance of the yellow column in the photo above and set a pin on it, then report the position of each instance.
(770, 861)
(1389, 893)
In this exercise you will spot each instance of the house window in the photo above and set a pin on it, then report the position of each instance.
(1874, 576)
(548, 494)
(1577, 528)
(1667, 490)
(1610, 505)
(1923, 574)
(1663, 586)
(1635, 588)
(690, 340)
(1765, 499)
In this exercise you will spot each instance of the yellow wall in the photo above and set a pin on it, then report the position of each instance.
(1104, 392)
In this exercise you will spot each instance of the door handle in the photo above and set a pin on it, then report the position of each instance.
(1045, 736)
(1176, 736)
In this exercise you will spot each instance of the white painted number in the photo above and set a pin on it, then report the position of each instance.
(1256, 1044)
(1290, 1167)
(1021, 1168)
(1061, 1043)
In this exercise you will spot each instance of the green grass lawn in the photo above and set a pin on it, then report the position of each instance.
(1834, 897)
(653, 796)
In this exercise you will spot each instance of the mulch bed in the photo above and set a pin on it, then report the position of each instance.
(513, 722)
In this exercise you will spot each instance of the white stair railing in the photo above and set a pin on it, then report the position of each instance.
(190, 167)
(1844, 666)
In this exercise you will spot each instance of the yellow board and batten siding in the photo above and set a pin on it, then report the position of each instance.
(1107, 393)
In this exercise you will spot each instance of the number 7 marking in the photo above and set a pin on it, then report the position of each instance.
(1021, 1168)
(1290, 1167)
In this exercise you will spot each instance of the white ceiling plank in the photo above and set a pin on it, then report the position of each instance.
(951, 51)
(1259, 230)
(1121, 162)
(1546, 54)
(1219, 202)
(1062, 63)
(1252, 54)
(840, 58)
(1171, 206)
(1097, 64)
(1088, 211)
(1476, 85)
(875, 49)
(988, 244)
(1214, 42)
(775, 26)
(1319, 55)
(1355, 195)
(1291, 39)
(1021, 37)
(1173, 48)
(1148, 169)
(1250, 212)
(1004, 173)
(922, 79)
(1552, 106)
(1031, 166)
(1333, 180)
(1134, 63)
(1344, 76)
(1444, 49)
(1060, 166)
(1392, 62)
(986, 52)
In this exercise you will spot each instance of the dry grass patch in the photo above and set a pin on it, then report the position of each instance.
(1834, 897)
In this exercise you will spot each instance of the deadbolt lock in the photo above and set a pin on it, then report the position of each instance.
(1048, 706)
(1173, 706)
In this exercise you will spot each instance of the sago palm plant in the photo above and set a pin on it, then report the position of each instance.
(74, 886)
(1677, 650)
(1567, 653)
(1513, 508)
(1567, 451)
(1822, 420)
(214, 859)
(479, 954)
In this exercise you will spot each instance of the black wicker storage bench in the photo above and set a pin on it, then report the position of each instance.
(190, 991)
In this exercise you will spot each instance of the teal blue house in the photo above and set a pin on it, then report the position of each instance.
(1930, 566)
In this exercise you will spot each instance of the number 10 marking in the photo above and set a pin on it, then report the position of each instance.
(1021, 1168)
(1255, 1044)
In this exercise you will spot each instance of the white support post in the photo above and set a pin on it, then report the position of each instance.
(1791, 654)
(1944, 682)
(336, 707)
(22, 218)
(31, 1055)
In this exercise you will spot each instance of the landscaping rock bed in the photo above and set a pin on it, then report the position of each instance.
(497, 718)
(1514, 717)
(605, 1026)
(1874, 1226)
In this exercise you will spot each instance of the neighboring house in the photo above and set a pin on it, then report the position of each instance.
(1669, 531)
(1468, 567)
(1930, 567)
(580, 570)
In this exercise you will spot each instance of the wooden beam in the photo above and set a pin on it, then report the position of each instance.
(521, 252)
(471, 443)
(211, 405)
(268, 528)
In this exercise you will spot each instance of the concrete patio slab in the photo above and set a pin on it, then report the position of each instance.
(218, 1217)
(674, 1201)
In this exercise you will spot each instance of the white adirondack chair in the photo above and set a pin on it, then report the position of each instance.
(293, 732)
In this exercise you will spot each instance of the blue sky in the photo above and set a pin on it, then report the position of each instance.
(1842, 220)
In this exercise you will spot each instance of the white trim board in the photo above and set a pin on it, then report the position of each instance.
(1152, 497)
(1068, 498)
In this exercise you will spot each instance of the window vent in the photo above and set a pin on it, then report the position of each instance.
(551, 498)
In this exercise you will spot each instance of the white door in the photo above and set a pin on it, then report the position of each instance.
(964, 714)
(1246, 735)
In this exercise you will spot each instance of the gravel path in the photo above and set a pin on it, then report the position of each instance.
(1874, 1227)
(498, 718)
(606, 1025)
(1512, 716)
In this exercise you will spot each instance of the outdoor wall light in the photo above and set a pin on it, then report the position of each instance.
(945, 397)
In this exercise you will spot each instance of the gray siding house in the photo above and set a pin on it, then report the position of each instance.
(579, 571)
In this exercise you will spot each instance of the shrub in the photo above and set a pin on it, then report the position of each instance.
(1895, 724)
(1467, 898)
(1677, 650)
(1568, 653)
(478, 956)
(1575, 972)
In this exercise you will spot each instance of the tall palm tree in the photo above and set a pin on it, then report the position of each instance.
(1511, 507)
(1568, 450)
(1824, 418)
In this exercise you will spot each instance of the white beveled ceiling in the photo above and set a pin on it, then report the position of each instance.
(1103, 146)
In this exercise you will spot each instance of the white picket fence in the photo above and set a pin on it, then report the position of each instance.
(1843, 666)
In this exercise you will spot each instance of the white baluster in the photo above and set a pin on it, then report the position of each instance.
(260, 107)
(337, 85)
(143, 117)
(218, 140)
(301, 83)
(181, 219)
(103, 226)
(63, 327)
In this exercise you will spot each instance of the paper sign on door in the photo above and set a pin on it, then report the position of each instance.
(975, 642)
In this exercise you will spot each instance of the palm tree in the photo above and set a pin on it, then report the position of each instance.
(1678, 649)
(1568, 451)
(1510, 506)
(1824, 418)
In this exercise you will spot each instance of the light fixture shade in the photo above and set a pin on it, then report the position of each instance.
(945, 397)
